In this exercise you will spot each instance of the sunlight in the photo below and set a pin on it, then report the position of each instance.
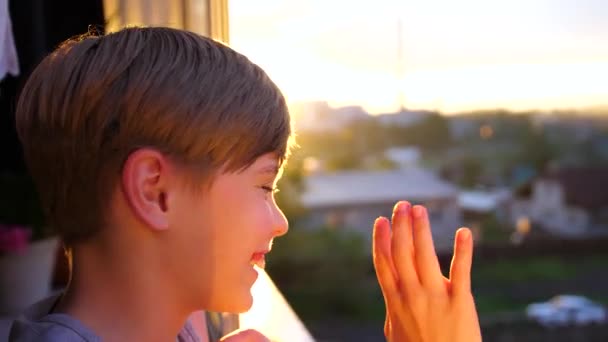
(517, 86)
(455, 57)
(271, 314)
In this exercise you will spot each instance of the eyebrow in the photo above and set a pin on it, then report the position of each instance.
(270, 169)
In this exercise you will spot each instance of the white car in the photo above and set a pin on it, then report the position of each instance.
(566, 310)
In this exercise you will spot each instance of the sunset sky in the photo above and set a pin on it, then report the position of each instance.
(457, 55)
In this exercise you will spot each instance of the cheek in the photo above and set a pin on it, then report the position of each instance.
(262, 216)
(228, 221)
(244, 214)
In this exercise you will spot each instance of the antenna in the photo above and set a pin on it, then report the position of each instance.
(400, 75)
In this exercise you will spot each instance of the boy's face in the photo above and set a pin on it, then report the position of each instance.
(218, 234)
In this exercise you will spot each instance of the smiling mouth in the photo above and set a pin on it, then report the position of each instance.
(258, 259)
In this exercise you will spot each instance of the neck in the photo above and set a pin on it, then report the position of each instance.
(115, 293)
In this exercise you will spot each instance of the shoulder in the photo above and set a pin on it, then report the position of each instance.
(49, 329)
(36, 324)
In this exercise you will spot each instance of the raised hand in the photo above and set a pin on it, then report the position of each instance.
(421, 304)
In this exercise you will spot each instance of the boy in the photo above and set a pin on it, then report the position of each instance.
(156, 153)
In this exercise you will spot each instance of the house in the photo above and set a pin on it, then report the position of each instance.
(486, 209)
(354, 199)
(485, 202)
(462, 127)
(568, 202)
(404, 157)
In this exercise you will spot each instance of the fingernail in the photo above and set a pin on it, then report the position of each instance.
(418, 211)
(464, 234)
(402, 207)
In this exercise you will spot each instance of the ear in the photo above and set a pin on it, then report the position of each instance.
(145, 185)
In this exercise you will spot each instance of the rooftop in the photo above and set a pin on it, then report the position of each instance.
(482, 201)
(365, 187)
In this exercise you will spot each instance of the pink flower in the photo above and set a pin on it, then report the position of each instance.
(14, 239)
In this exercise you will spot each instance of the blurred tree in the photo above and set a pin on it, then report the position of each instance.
(434, 132)
(322, 285)
(371, 135)
(536, 150)
(471, 172)
(431, 132)
(291, 185)
(343, 160)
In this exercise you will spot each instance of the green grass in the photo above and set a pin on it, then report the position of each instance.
(600, 299)
(358, 302)
(503, 275)
(536, 269)
(493, 304)
(517, 271)
(351, 294)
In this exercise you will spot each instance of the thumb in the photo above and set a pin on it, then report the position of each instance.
(248, 335)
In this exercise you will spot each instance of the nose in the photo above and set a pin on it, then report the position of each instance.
(281, 225)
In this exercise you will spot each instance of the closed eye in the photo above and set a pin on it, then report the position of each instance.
(269, 189)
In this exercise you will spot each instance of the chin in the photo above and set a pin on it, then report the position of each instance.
(235, 299)
(238, 304)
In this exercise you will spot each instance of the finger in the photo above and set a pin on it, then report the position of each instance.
(460, 269)
(402, 247)
(384, 243)
(383, 262)
(245, 335)
(387, 325)
(426, 258)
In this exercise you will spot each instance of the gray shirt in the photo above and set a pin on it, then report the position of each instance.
(39, 324)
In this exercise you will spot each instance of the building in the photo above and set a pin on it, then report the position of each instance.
(354, 199)
(318, 116)
(485, 202)
(570, 202)
(404, 157)
(486, 209)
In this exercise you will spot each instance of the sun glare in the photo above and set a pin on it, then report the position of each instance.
(271, 314)
(346, 55)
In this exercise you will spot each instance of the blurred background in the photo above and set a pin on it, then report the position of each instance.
(492, 114)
